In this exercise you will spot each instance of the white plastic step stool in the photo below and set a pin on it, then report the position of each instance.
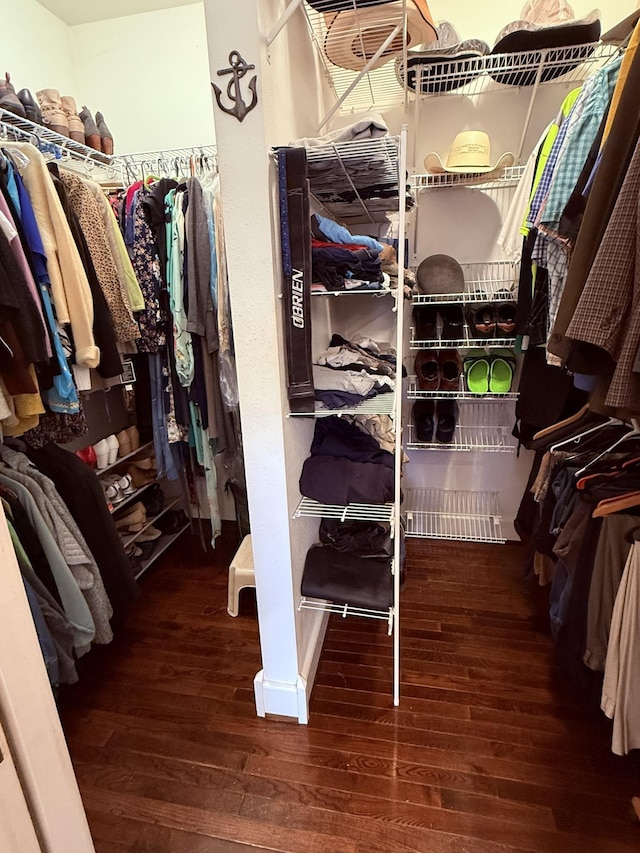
(241, 574)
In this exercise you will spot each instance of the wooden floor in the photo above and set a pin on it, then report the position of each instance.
(490, 750)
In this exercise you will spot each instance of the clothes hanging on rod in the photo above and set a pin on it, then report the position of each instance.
(585, 499)
(174, 236)
(77, 577)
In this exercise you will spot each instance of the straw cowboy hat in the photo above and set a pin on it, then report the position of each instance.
(448, 63)
(470, 154)
(354, 35)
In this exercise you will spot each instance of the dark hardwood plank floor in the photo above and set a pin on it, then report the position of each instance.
(490, 751)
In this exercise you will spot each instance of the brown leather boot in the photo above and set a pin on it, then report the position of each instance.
(8, 98)
(91, 132)
(105, 134)
(76, 125)
(53, 116)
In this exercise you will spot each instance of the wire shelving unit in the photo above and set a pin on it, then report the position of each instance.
(479, 428)
(453, 515)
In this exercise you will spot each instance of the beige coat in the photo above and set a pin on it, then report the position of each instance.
(69, 286)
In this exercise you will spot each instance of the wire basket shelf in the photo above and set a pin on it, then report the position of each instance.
(467, 342)
(497, 72)
(483, 282)
(453, 515)
(351, 512)
(382, 404)
(356, 180)
(479, 428)
(414, 392)
(345, 46)
(509, 177)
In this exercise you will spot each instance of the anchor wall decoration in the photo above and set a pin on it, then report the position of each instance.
(238, 69)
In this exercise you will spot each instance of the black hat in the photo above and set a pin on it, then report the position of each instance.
(526, 37)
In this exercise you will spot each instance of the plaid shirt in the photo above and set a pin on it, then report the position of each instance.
(548, 174)
(577, 141)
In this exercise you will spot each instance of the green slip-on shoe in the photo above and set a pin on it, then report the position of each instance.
(500, 375)
(476, 372)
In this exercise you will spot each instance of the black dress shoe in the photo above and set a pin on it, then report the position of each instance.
(31, 106)
(452, 322)
(447, 413)
(425, 318)
(423, 412)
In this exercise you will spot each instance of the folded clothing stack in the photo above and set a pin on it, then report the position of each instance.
(349, 372)
(347, 465)
(351, 564)
(342, 261)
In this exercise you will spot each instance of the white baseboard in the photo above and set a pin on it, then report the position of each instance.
(292, 700)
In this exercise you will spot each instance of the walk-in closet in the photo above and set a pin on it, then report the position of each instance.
(319, 420)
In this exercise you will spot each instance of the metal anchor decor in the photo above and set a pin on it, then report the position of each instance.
(238, 69)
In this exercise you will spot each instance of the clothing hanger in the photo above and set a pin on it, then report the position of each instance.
(609, 506)
(633, 433)
(576, 438)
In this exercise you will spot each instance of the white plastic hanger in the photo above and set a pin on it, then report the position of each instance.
(634, 432)
(575, 438)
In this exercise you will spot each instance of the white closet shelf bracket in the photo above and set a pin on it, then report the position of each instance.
(282, 21)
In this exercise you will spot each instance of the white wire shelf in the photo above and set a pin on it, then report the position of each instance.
(509, 177)
(382, 404)
(345, 610)
(356, 180)
(453, 515)
(483, 283)
(71, 154)
(346, 41)
(379, 87)
(459, 343)
(62, 147)
(479, 428)
(496, 72)
(352, 512)
(382, 291)
(415, 393)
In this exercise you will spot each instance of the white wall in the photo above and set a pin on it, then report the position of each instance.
(34, 46)
(149, 75)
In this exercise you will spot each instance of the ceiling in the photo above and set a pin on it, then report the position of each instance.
(72, 12)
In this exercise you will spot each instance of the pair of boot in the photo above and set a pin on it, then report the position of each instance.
(60, 114)
(22, 104)
(97, 134)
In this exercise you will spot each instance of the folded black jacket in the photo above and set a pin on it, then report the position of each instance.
(347, 579)
(332, 480)
(334, 436)
(364, 538)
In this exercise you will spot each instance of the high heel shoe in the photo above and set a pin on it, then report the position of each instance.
(105, 135)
